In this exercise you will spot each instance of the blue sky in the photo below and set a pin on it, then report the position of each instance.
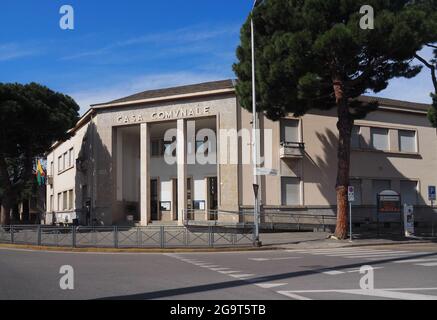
(122, 47)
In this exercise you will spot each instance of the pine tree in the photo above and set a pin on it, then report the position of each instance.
(313, 54)
(32, 118)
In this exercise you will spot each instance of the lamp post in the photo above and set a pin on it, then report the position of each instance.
(256, 207)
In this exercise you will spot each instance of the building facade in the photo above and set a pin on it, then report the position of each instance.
(165, 156)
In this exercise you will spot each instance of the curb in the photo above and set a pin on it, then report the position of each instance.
(131, 250)
(354, 245)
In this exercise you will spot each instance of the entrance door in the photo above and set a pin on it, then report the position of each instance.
(212, 193)
(154, 200)
(212, 198)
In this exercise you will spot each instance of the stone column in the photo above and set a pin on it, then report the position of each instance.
(145, 174)
(181, 151)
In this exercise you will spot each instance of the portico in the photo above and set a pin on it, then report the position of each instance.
(167, 171)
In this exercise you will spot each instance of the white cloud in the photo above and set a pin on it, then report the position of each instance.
(183, 37)
(11, 51)
(88, 97)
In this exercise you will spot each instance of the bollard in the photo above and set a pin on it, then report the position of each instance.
(115, 237)
(38, 240)
(73, 237)
(162, 236)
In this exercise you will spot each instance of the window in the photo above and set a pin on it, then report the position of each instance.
(65, 160)
(189, 194)
(155, 148)
(59, 201)
(379, 138)
(290, 131)
(407, 141)
(378, 186)
(290, 189)
(356, 183)
(60, 164)
(212, 193)
(52, 168)
(355, 137)
(51, 204)
(70, 199)
(65, 201)
(409, 192)
(70, 158)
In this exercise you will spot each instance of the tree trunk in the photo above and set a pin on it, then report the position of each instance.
(344, 125)
(26, 211)
(5, 208)
(5, 215)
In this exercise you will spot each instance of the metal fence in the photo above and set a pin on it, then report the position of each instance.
(127, 237)
(364, 222)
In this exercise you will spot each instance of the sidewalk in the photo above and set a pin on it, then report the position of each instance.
(320, 240)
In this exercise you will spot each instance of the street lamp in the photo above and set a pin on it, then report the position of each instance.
(256, 207)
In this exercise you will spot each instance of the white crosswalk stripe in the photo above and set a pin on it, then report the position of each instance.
(433, 264)
(242, 276)
(337, 272)
(416, 258)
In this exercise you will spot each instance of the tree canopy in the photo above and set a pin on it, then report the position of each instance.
(32, 118)
(313, 54)
(301, 44)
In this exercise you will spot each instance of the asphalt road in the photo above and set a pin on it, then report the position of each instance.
(400, 272)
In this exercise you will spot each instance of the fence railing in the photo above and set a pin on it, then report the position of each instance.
(363, 223)
(127, 237)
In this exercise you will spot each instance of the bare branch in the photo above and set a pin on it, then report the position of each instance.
(431, 45)
(432, 69)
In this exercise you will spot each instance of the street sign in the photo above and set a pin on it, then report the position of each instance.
(266, 172)
(431, 193)
(389, 201)
(351, 194)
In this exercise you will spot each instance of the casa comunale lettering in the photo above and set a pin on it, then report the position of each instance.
(166, 115)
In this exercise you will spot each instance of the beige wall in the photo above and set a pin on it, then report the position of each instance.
(68, 179)
(318, 168)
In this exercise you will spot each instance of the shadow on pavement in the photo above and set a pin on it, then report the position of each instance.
(236, 283)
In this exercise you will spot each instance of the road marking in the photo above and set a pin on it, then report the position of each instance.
(353, 249)
(273, 259)
(359, 270)
(414, 255)
(394, 293)
(337, 272)
(242, 276)
(209, 266)
(292, 295)
(385, 255)
(416, 260)
(270, 285)
(229, 272)
(366, 253)
(333, 272)
(219, 269)
(431, 264)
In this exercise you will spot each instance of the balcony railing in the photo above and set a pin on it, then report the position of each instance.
(292, 150)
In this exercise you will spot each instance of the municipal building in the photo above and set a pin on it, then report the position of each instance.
(130, 161)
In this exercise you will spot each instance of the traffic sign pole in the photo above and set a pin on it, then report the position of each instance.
(351, 198)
